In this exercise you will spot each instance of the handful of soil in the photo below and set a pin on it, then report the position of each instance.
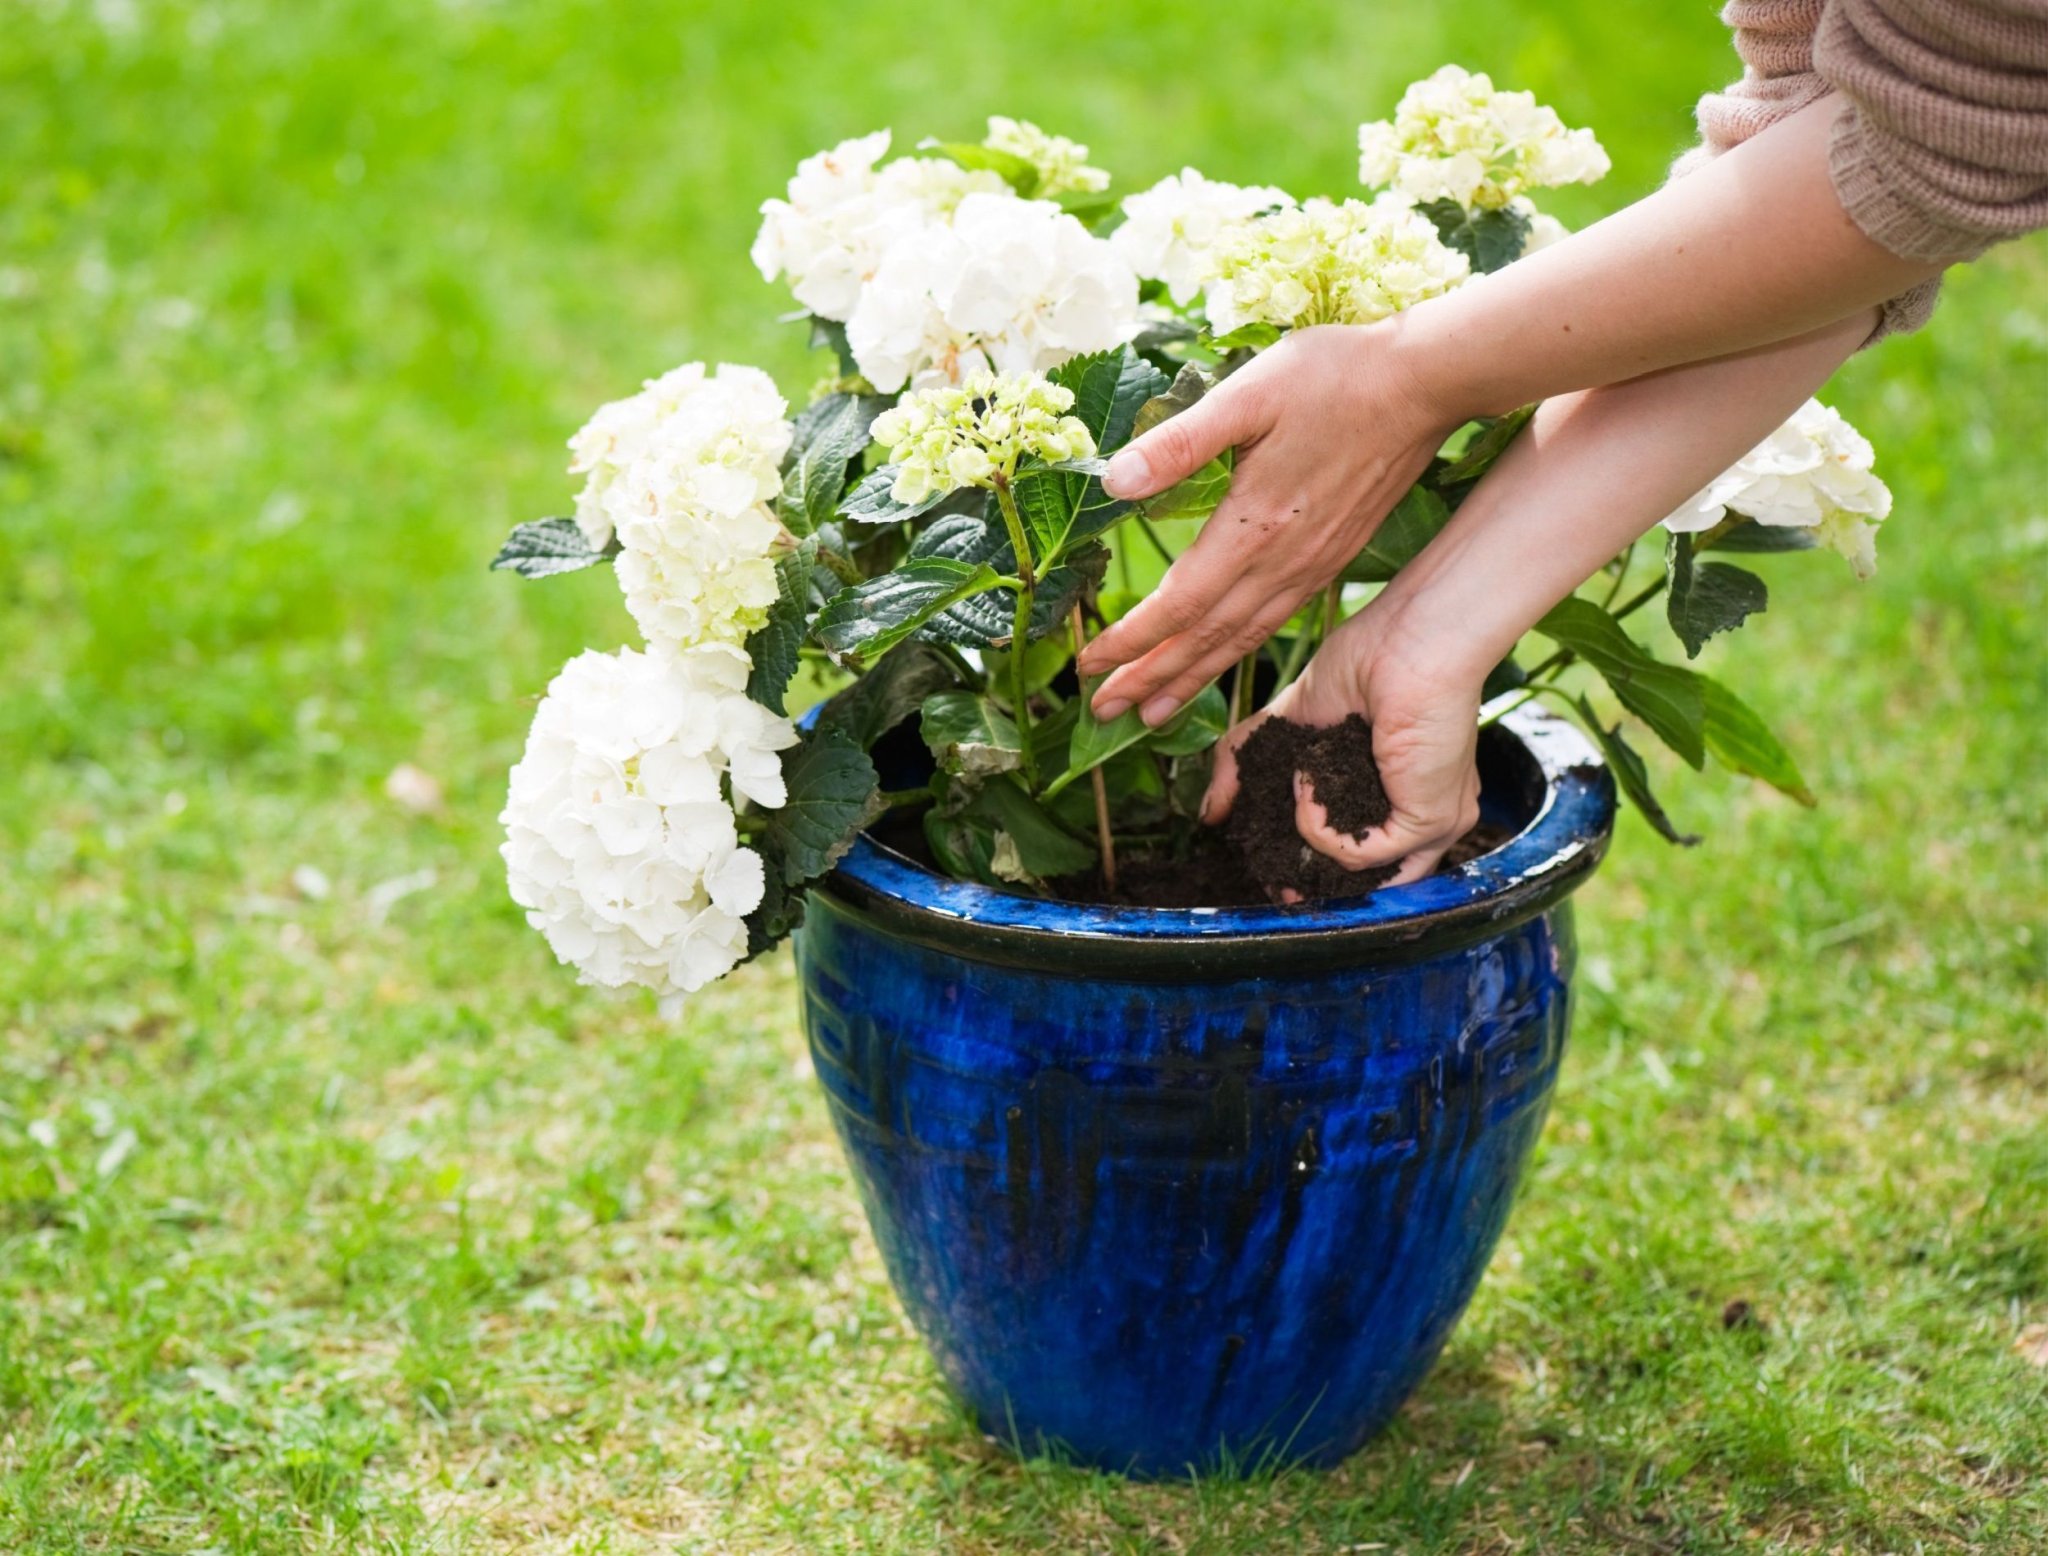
(1338, 764)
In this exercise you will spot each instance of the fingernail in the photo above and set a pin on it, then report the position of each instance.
(1105, 711)
(1159, 710)
(1128, 472)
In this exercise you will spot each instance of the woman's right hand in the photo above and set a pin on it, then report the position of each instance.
(1331, 427)
(1423, 705)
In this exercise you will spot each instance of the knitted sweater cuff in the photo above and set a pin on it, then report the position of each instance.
(1871, 191)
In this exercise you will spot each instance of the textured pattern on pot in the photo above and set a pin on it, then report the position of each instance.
(1191, 1190)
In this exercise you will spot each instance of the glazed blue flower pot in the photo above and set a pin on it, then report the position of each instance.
(1179, 1191)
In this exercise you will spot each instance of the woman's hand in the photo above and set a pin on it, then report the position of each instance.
(1423, 706)
(1330, 430)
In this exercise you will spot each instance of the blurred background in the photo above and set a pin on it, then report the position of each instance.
(334, 1217)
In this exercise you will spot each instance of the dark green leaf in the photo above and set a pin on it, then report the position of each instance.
(828, 436)
(1401, 536)
(1109, 388)
(1491, 239)
(1486, 445)
(1740, 740)
(1043, 661)
(1200, 495)
(1165, 340)
(832, 795)
(1632, 775)
(1507, 676)
(889, 693)
(830, 335)
(1704, 598)
(870, 502)
(774, 645)
(1760, 539)
(1039, 846)
(989, 619)
(1672, 701)
(964, 845)
(970, 735)
(861, 623)
(1074, 741)
(549, 546)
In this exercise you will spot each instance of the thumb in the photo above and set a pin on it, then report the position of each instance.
(1174, 450)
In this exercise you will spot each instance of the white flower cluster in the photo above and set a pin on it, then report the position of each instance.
(1170, 231)
(1814, 472)
(952, 436)
(618, 841)
(1062, 164)
(938, 272)
(1014, 285)
(1454, 137)
(1325, 262)
(843, 214)
(684, 473)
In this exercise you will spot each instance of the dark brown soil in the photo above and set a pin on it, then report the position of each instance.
(1338, 764)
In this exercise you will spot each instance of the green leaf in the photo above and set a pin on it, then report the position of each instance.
(774, 646)
(1633, 776)
(989, 619)
(1088, 206)
(1200, 495)
(889, 693)
(1704, 598)
(861, 623)
(1040, 846)
(1188, 387)
(1401, 536)
(1246, 337)
(1672, 701)
(830, 335)
(1762, 539)
(1043, 661)
(1740, 740)
(1491, 239)
(1487, 445)
(870, 502)
(964, 845)
(1110, 388)
(970, 735)
(1020, 174)
(1196, 727)
(828, 437)
(549, 546)
(1507, 676)
(832, 795)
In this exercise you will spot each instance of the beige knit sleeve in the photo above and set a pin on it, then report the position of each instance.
(1942, 150)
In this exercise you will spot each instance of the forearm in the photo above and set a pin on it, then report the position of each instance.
(1594, 471)
(1752, 249)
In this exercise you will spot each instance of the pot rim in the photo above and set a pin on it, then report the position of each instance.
(1534, 870)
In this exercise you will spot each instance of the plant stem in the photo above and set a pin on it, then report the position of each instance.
(1104, 840)
(1241, 687)
(1152, 535)
(1333, 606)
(1020, 631)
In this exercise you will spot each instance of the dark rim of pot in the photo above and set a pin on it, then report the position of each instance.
(1571, 818)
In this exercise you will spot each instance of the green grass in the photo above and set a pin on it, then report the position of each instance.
(345, 1222)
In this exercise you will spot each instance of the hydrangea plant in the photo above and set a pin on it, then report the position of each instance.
(923, 547)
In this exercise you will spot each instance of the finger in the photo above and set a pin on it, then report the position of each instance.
(1190, 658)
(1221, 794)
(1185, 596)
(1181, 687)
(1397, 838)
(1230, 414)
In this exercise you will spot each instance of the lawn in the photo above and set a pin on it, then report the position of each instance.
(334, 1217)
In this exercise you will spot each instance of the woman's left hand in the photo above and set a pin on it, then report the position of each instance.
(1424, 712)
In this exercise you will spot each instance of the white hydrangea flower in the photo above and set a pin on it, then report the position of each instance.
(1815, 472)
(1013, 285)
(619, 840)
(1169, 231)
(842, 213)
(684, 474)
(951, 436)
(1062, 164)
(1454, 137)
(1323, 262)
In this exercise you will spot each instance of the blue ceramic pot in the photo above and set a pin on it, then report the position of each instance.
(1185, 1190)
